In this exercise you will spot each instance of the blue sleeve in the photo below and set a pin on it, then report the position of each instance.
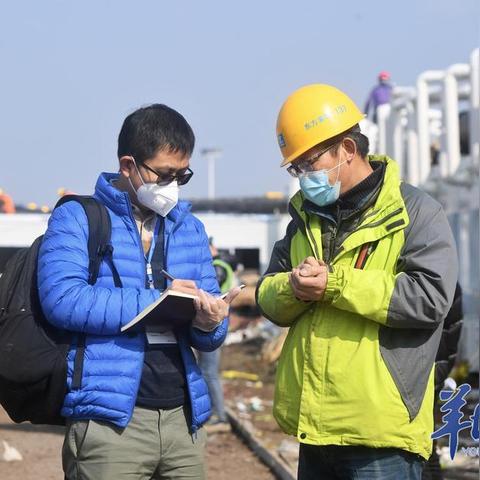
(208, 341)
(67, 300)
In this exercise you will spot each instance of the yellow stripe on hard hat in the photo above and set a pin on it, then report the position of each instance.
(312, 115)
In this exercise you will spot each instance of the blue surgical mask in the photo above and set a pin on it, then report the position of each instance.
(316, 186)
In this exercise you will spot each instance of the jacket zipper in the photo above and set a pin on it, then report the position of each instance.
(140, 248)
(168, 236)
(194, 426)
(332, 243)
(312, 239)
(333, 240)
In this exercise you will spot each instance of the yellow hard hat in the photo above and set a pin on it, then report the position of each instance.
(311, 115)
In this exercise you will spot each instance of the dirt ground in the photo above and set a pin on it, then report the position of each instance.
(41, 446)
(249, 398)
(252, 400)
(41, 451)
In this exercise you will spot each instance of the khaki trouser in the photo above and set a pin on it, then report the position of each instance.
(156, 444)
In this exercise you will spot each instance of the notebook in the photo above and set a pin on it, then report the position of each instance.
(173, 309)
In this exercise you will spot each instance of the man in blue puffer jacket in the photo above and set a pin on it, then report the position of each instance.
(141, 402)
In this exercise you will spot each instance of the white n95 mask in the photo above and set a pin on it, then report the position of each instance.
(159, 198)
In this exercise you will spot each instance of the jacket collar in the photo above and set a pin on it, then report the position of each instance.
(389, 192)
(119, 202)
(385, 216)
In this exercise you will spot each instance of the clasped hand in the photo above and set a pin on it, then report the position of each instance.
(210, 310)
(309, 279)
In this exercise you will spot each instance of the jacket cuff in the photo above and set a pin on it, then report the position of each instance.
(204, 330)
(334, 284)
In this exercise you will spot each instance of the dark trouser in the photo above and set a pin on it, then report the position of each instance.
(333, 462)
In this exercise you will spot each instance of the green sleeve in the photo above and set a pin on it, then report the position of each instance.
(276, 300)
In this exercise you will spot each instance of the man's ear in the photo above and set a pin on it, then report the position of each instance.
(126, 165)
(350, 148)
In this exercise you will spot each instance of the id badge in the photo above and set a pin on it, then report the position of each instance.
(158, 335)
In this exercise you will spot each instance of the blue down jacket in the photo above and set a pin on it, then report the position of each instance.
(113, 361)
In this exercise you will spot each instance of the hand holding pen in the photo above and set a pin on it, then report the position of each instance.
(210, 310)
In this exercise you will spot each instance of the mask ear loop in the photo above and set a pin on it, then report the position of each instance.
(139, 174)
(138, 171)
(338, 172)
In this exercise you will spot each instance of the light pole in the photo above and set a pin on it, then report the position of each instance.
(211, 154)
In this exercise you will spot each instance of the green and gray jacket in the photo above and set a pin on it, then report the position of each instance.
(357, 367)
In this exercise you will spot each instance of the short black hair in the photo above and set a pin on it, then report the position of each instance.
(152, 129)
(361, 141)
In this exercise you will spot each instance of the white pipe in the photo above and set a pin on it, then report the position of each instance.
(413, 168)
(464, 248)
(391, 127)
(370, 130)
(475, 107)
(398, 136)
(423, 103)
(390, 124)
(395, 126)
(460, 70)
(402, 102)
(451, 121)
(402, 94)
(451, 158)
(383, 112)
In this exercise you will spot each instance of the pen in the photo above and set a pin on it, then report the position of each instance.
(225, 294)
(166, 274)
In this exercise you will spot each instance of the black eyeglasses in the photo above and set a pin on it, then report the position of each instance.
(181, 178)
(305, 166)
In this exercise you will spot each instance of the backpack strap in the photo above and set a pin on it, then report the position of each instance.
(99, 232)
(99, 248)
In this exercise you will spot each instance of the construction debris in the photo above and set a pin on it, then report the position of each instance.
(288, 451)
(232, 374)
(10, 454)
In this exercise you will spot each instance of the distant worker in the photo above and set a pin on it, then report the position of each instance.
(364, 278)
(380, 94)
(209, 362)
(6, 203)
(224, 271)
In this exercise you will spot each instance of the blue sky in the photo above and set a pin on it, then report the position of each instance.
(72, 71)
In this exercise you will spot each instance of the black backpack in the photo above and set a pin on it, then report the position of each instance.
(33, 366)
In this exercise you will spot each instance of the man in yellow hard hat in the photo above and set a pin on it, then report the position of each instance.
(364, 278)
